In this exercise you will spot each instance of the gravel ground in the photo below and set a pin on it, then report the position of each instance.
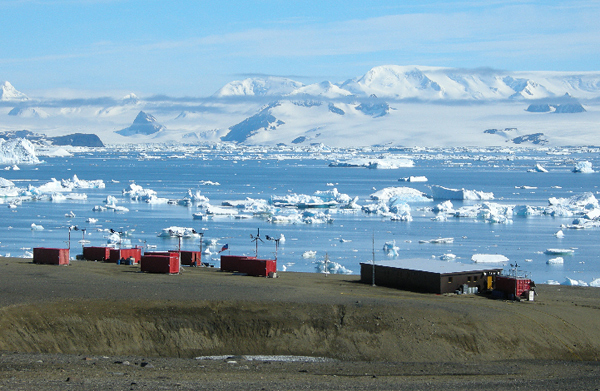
(102, 326)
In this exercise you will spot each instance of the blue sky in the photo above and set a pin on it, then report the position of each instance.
(192, 48)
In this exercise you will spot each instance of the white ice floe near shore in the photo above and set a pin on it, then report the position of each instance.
(584, 167)
(489, 258)
(444, 193)
(573, 282)
(309, 254)
(555, 261)
(330, 267)
(319, 199)
(448, 257)
(179, 232)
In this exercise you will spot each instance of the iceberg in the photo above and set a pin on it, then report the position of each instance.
(559, 251)
(489, 258)
(138, 193)
(438, 241)
(413, 179)
(390, 249)
(17, 151)
(572, 282)
(309, 254)
(330, 267)
(35, 227)
(405, 194)
(444, 193)
(595, 283)
(379, 163)
(538, 168)
(555, 261)
(584, 167)
(176, 232)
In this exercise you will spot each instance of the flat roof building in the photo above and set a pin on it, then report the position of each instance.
(425, 275)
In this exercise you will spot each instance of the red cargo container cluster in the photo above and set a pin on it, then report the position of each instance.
(510, 285)
(248, 265)
(160, 262)
(51, 256)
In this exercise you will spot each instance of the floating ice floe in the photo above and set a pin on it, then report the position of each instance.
(583, 167)
(138, 193)
(538, 168)
(400, 194)
(438, 241)
(331, 267)
(320, 199)
(552, 282)
(488, 211)
(489, 258)
(595, 283)
(91, 220)
(448, 257)
(390, 249)
(572, 282)
(559, 251)
(444, 193)
(444, 207)
(413, 179)
(35, 227)
(179, 232)
(209, 183)
(379, 163)
(309, 254)
(70, 215)
(555, 261)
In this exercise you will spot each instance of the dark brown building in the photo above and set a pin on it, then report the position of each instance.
(424, 275)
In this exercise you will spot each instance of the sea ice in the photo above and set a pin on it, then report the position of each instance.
(538, 168)
(583, 167)
(35, 227)
(390, 249)
(413, 179)
(555, 261)
(404, 194)
(489, 258)
(331, 267)
(444, 193)
(309, 254)
(438, 241)
(572, 282)
(17, 151)
(175, 232)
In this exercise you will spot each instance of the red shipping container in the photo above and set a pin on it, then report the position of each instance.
(117, 254)
(513, 285)
(230, 263)
(51, 256)
(191, 258)
(96, 253)
(248, 265)
(160, 264)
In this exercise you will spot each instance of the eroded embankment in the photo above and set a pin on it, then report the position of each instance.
(348, 332)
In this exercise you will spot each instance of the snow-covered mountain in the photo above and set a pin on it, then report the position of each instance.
(8, 93)
(396, 105)
(144, 124)
(267, 86)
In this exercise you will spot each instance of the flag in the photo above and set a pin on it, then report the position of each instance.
(225, 247)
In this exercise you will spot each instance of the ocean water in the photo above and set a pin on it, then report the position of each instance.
(351, 238)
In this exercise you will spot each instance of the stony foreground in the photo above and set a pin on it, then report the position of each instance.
(101, 326)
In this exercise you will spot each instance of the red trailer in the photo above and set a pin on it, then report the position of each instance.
(513, 286)
(96, 253)
(160, 263)
(51, 256)
(116, 254)
(248, 265)
(191, 258)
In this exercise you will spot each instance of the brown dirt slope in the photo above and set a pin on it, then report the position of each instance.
(105, 309)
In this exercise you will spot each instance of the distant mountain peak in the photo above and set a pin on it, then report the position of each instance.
(144, 124)
(259, 86)
(10, 93)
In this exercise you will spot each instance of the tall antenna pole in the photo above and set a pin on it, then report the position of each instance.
(373, 262)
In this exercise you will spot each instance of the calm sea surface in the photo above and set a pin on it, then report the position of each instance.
(348, 240)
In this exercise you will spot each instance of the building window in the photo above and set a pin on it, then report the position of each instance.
(469, 279)
(449, 280)
(475, 278)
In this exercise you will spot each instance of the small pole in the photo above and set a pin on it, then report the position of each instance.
(373, 262)
(326, 264)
